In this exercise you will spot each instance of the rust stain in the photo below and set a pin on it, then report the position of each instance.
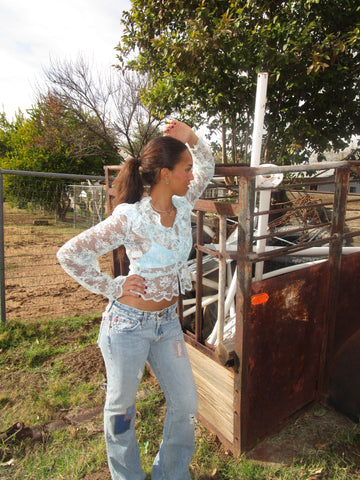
(294, 302)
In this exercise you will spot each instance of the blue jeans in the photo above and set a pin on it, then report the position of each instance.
(128, 338)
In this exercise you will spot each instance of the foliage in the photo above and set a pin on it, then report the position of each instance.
(50, 140)
(79, 124)
(204, 57)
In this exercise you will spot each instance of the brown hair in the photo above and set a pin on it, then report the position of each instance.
(160, 152)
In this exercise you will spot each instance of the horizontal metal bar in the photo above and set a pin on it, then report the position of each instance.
(53, 175)
(280, 252)
(350, 219)
(305, 168)
(295, 230)
(241, 170)
(355, 233)
(292, 209)
(214, 253)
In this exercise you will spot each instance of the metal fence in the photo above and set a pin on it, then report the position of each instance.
(32, 283)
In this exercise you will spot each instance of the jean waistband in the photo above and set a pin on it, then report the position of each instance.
(121, 307)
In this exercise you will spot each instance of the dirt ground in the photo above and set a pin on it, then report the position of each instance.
(310, 432)
(35, 284)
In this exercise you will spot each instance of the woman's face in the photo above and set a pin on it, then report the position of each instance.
(181, 175)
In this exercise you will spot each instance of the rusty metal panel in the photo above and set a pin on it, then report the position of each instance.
(284, 349)
(348, 305)
(344, 385)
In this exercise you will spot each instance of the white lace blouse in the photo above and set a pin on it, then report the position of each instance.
(155, 252)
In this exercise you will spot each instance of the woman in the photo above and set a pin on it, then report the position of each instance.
(140, 322)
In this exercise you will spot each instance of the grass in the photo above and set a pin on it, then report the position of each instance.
(51, 369)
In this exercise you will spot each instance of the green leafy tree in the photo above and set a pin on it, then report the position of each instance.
(204, 56)
(50, 140)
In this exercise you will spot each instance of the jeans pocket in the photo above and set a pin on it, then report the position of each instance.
(104, 322)
(123, 322)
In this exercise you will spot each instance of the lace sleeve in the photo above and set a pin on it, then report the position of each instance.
(78, 256)
(203, 170)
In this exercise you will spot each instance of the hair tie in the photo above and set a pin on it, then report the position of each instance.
(138, 165)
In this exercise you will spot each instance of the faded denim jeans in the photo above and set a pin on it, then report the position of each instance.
(128, 338)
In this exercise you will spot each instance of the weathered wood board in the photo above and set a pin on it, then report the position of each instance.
(215, 385)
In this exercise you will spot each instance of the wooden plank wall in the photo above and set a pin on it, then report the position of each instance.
(215, 385)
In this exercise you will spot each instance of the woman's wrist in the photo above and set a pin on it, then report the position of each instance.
(193, 139)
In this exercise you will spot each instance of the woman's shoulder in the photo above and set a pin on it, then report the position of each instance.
(182, 203)
(127, 209)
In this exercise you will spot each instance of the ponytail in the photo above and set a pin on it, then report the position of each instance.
(128, 183)
(160, 152)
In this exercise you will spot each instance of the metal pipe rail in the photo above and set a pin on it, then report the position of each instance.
(245, 212)
(250, 172)
(63, 176)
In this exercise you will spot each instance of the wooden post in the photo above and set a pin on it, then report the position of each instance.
(243, 302)
(119, 260)
(2, 254)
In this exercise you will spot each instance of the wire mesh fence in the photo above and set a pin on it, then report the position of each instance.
(34, 228)
(43, 211)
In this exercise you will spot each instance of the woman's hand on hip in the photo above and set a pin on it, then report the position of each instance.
(134, 286)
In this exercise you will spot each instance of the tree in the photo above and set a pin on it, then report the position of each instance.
(51, 140)
(79, 124)
(113, 101)
(203, 59)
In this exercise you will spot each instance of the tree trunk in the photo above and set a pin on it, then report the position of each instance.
(223, 140)
(233, 141)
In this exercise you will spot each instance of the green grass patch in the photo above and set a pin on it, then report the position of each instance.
(53, 368)
(70, 454)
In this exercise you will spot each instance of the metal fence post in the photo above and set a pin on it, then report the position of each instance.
(342, 179)
(2, 253)
(74, 206)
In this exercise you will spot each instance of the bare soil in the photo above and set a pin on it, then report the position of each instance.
(36, 285)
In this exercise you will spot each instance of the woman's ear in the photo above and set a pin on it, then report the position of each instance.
(165, 175)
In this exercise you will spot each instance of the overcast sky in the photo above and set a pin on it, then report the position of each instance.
(32, 32)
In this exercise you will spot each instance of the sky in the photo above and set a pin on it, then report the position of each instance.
(33, 32)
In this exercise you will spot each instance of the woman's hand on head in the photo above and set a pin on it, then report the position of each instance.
(181, 131)
(134, 285)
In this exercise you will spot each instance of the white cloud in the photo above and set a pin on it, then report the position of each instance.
(33, 32)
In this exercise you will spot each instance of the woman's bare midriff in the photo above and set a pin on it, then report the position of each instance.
(146, 305)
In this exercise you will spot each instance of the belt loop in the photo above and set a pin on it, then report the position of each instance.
(109, 305)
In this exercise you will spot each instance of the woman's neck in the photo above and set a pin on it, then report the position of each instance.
(161, 199)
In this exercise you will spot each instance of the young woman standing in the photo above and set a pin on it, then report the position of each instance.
(140, 322)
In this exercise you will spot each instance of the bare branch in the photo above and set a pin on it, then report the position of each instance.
(114, 100)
